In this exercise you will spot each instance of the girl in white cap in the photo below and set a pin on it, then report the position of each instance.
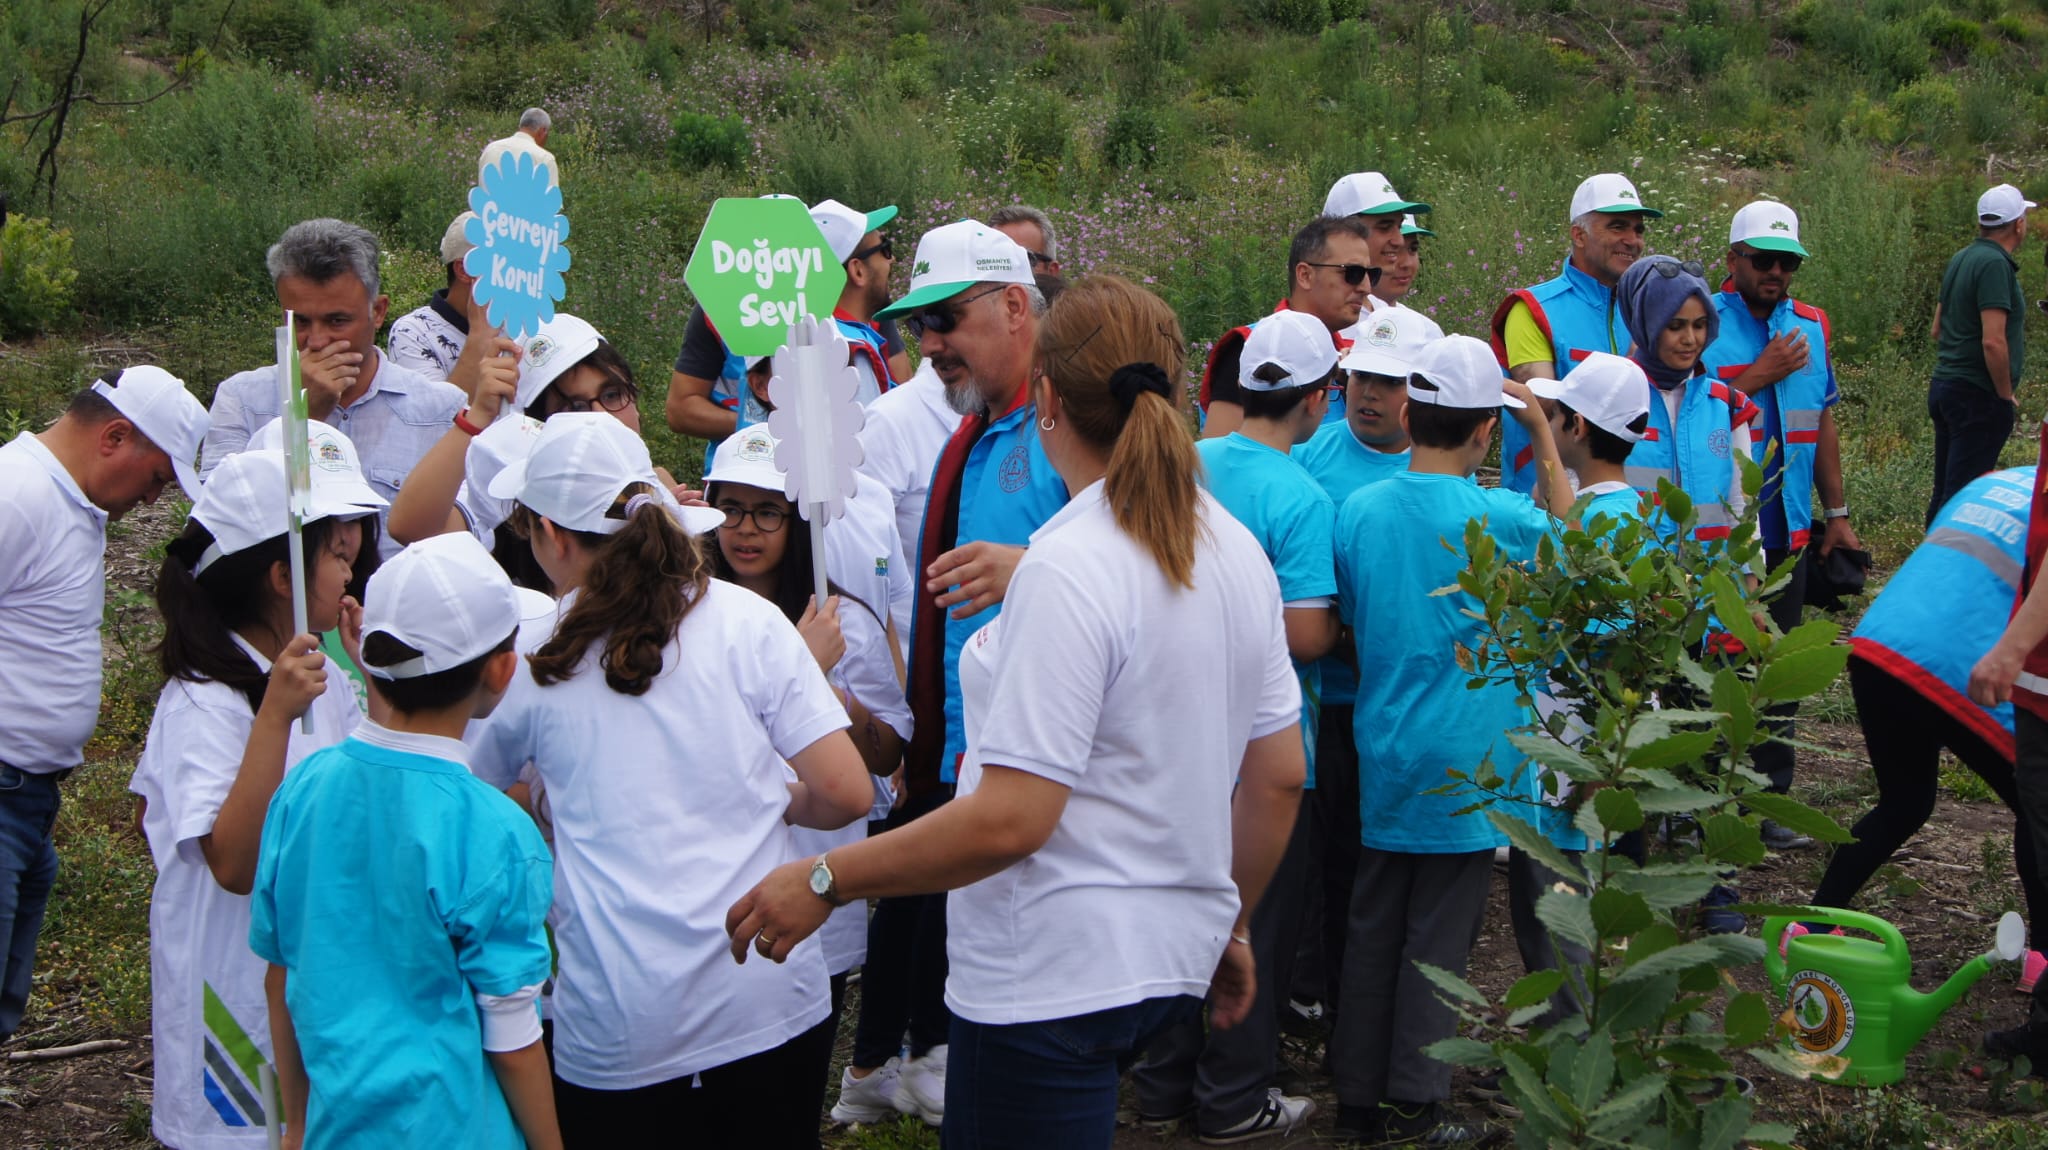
(224, 734)
(665, 715)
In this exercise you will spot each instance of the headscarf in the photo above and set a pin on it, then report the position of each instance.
(1650, 293)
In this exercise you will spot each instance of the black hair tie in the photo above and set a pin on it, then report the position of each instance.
(1133, 379)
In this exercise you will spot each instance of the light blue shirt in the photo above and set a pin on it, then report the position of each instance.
(1416, 716)
(1342, 464)
(395, 887)
(1287, 512)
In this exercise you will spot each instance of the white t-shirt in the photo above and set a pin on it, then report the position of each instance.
(53, 587)
(1094, 662)
(907, 428)
(667, 807)
(865, 555)
(515, 145)
(209, 1016)
(845, 934)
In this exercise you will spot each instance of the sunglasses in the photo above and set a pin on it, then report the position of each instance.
(886, 246)
(1038, 259)
(1354, 274)
(1671, 270)
(940, 318)
(768, 519)
(1766, 261)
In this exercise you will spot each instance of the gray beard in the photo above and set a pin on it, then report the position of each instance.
(966, 401)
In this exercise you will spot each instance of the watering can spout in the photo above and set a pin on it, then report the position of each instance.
(1916, 1013)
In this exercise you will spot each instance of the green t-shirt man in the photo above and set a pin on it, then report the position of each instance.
(1983, 275)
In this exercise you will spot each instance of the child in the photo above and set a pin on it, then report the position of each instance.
(225, 731)
(399, 900)
(1284, 373)
(1423, 871)
(664, 716)
(1603, 409)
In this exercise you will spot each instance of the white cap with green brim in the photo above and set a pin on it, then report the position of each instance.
(1458, 371)
(844, 226)
(1410, 228)
(1609, 192)
(1367, 194)
(1767, 226)
(955, 257)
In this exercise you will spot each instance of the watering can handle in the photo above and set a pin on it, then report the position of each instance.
(1854, 920)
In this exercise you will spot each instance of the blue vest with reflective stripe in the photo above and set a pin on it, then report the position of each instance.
(1948, 604)
(1796, 401)
(867, 344)
(1578, 315)
(1694, 454)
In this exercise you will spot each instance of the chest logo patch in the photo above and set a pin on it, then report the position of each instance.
(1015, 471)
(1717, 442)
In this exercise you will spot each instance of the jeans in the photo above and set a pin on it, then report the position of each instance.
(28, 868)
(1037, 1085)
(1971, 426)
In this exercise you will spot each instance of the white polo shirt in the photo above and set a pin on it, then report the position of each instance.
(864, 554)
(667, 808)
(1086, 680)
(907, 428)
(53, 589)
(515, 145)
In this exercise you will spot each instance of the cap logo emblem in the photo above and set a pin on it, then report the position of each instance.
(993, 263)
(329, 457)
(1624, 194)
(1381, 334)
(923, 268)
(757, 448)
(1387, 188)
(1780, 226)
(540, 350)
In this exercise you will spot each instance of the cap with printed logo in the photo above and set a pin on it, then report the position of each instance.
(336, 470)
(156, 402)
(1611, 391)
(1409, 227)
(1609, 192)
(844, 226)
(1388, 341)
(578, 466)
(2002, 205)
(246, 501)
(444, 597)
(1458, 371)
(558, 345)
(1767, 226)
(747, 457)
(1286, 349)
(455, 241)
(1367, 194)
(955, 257)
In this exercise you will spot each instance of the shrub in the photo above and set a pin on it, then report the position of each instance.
(1132, 136)
(702, 141)
(1928, 110)
(1703, 48)
(286, 33)
(240, 126)
(1302, 16)
(35, 276)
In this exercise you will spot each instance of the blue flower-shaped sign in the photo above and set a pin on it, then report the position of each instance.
(518, 231)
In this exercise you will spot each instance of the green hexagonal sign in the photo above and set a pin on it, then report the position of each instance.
(761, 265)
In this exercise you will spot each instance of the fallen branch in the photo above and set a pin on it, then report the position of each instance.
(52, 1053)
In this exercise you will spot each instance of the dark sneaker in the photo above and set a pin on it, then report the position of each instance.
(2029, 1042)
(1714, 915)
(1781, 838)
(1427, 1124)
(1361, 1125)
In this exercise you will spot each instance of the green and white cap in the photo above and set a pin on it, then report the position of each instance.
(955, 257)
(1767, 226)
(1609, 192)
(844, 227)
(1367, 194)
(1410, 228)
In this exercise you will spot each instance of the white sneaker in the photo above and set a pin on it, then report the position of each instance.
(871, 1099)
(921, 1090)
(1282, 1115)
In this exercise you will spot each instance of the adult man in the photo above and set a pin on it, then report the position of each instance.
(1980, 338)
(1397, 281)
(1329, 274)
(977, 309)
(117, 444)
(1391, 222)
(1539, 332)
(430, 338)
(530, 139)
(1033, 231)
(1773, 348)
(325, 272)
(858, 244)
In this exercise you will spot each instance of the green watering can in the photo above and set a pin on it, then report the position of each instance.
(1853, 997)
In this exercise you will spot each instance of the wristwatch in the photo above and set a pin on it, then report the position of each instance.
(823, 884)
(1836, 512)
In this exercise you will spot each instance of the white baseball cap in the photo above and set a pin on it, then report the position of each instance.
(955, 257)
(747, 457)
(1411, 228)
(247, 502)
(1611, 391)
(1609, 192)
(508, 440)
(2002, 205)
(579, 463)
(1766, 225)
(553, 348)
(844, 227)
(444, 597)
(332, 462)
(1388, 342)
(455, 241)
(1367, 194)
(1296, 342)
(1464, 372)
(156, 402)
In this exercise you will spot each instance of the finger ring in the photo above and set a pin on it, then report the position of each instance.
(763, 943)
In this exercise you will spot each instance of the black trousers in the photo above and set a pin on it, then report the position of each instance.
(2030, 781)
(1774, 759)
(1971, 426)
(903, 980)
(1332, 865)
(765, 1101)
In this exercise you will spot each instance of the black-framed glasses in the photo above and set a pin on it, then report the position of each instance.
(885, 246)
(1670, 269)
(768, 519)
(944, 316)
(613, 397)
(1354, 274)
(1766, 261)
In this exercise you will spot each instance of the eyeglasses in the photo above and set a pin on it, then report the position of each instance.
(768, 519)
(613, 397)
(1038, 259)
(942, 317)
(1766, 261)
(1670, 269)
(1354, 274)
(885, 246)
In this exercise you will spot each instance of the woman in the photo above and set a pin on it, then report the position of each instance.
(1105, 874)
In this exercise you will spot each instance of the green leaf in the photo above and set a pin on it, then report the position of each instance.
(1629, 1108)
(1453, 986)
(1568, 915)
(1801, 673)
(1730, 609)
(1533, 989)
(1714, 950)
(1807, 636)
(1635, 1006)
(1618, 809)
(1674, 750)
(1747, 1020)
(1731, 698)
(1619, 913)
(1770, 1135)
(1674, 502)
(1794, 815)
(1557, 756)
(1693, 1056)
(1462, 1051)
(1537, 845)
(1731, 840)
(1590, 1074)
(1526, 1090)
(1676, 800)
(1664, 891)
(1722, 1122)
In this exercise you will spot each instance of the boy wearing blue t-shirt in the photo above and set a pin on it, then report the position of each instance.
(1283, 380)
(1603, 408)
(400, 900)
(1423, 870)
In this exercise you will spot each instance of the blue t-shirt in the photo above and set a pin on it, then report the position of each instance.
(1416, 718)
(394, 888)
(1620, 507)
(1287, 512)
(1337, 459)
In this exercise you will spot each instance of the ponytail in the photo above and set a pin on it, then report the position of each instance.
(643, 580)
(1150, 485)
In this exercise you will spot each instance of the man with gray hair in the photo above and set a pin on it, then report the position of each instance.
(530, 140)
(325, 272)
(1033, 232)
